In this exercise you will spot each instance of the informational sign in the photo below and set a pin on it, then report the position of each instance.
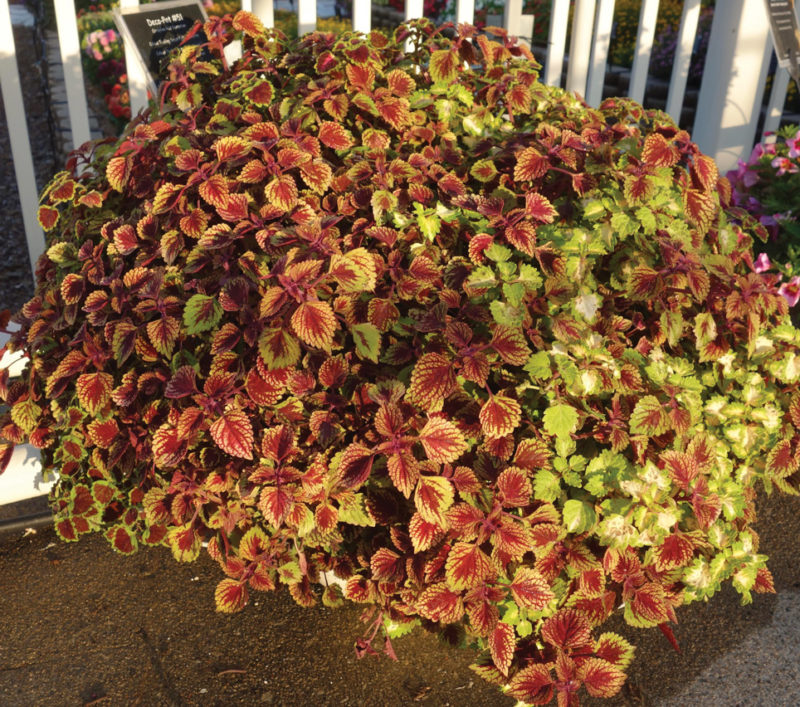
(785, 33)
(155, 29)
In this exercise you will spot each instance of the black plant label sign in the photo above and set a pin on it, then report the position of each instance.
(785, 33)
(155, 29)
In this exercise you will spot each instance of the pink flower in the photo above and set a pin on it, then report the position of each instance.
(794, 145)
(762, 263)
(790, 291)
(784, 165)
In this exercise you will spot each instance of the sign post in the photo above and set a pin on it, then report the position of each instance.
(785, 35)
(152, 31)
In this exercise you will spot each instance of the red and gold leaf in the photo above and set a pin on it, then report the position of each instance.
(502, 644)
(530, 589)
(275, 503)
(782, 460)
(404, 472)
(704, 172)
(387, 566)
(233, 433)
(676, 550)
(499, 416)
(533, 684)
(509, 343)
(567, 630)
(700, 207)
(439, 603)
(514, 487)
(169, 448)
(424, 534)
(522, 236)
(317, 175)
(432, 380)
(215, 190)
(335, 136)
(117, 172)
(659, 152)
(48, 217)
(539, 208)
(282, 192)
(355, 465)
(314, 323)
(248, 23)
(94, 391)
(442, 440)
(614, 649)
(230, 595)
(467, 567)
(432, 497)
(400, 83)
(600, 678)
(444, 65)
(261, 94)
(122, 540)
(531, 165)
(103, 433)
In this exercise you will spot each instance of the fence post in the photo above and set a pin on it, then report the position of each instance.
(556, 42)
(70, 48)
(263, 9)
(18, 133)
(683, 58)
(602, 38)
(734, 75)
(580, 47)
(137, 78)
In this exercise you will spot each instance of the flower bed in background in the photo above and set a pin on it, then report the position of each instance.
(767, 187)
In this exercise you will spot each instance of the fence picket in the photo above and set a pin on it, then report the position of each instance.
(557, 42)
(465, 11)
(581, 45)
(683, 58)
(512, 18)
(602, 38)
(263, 9)
(644, 48)
(69, 45)
(306, 16)
(362, 16)
(137, 78)
(777, 99)
(21, 154)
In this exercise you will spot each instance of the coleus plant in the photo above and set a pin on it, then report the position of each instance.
(389, 311)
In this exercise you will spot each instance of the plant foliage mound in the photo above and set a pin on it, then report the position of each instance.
(497, 361)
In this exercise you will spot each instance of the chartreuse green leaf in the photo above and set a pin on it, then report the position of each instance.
(201, 313)
(367, 339)
(579, 516)
(560, 420)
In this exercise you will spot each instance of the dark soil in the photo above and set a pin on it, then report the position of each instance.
(83, 625)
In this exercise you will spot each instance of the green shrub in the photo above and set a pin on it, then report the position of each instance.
(493, 358)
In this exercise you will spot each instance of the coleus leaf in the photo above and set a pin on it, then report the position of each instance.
(531, 165)
(278, 348)
(509, 343)
(601, 678)
(117, 172)
(499, 416)
(658, 152)
(121, 539)
(275, 503)
(514, 487)
(567, 630)
(315, 324)
(335, 136)
(614, 649)
(533, 684)
(233, 433)
(201, 313)
(282, 192)
(94, 391)
(431, 380)
(560, 420)
(439, 603)
(467, 566)
(231, 595)
(502, 643)
(354, 271)
(530, 589)
(444, 65)
(442, 440)
(649, 417)
(432, 497)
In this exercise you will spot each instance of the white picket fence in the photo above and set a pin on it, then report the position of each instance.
(731, 92)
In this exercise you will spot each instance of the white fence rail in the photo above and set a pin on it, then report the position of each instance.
(729, 107)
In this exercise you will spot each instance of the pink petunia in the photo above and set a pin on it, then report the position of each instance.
(762, 263)
(790, 291)
(794, 146)
(784, 165)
